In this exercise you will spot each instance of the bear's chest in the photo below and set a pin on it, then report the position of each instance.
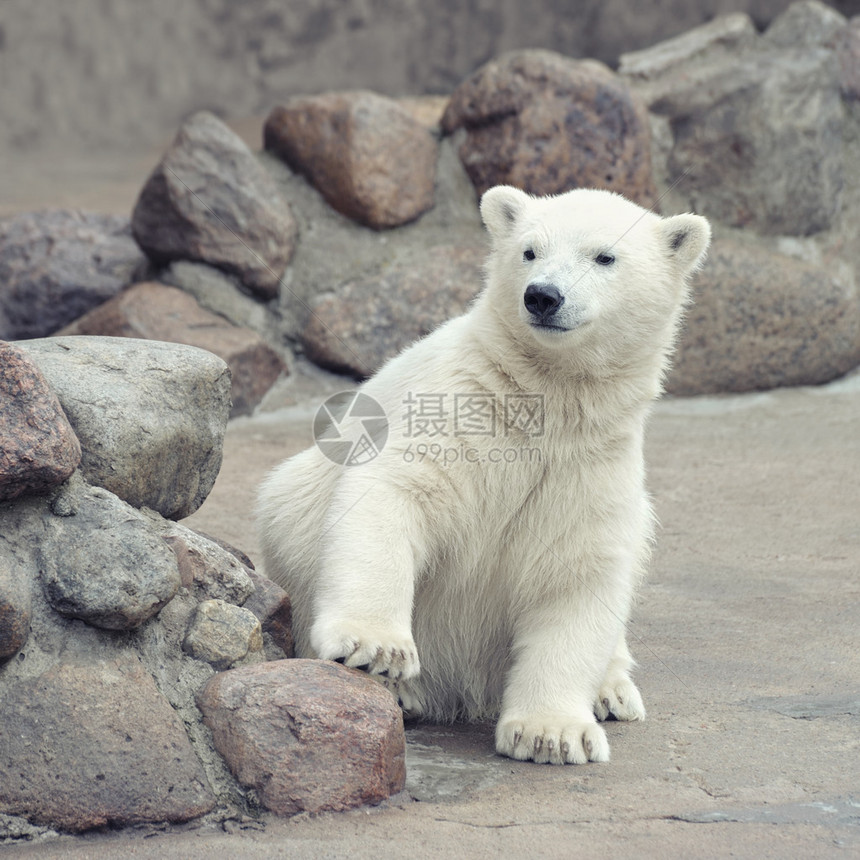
(528, 505)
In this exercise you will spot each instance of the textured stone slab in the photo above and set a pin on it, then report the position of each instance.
(155, 311)
(367, 155)
(38, 448)
(307, 735)
(57, 264)
(755, 132)
(150, 416)
(210, 200)
(547, 124)
(96, 745)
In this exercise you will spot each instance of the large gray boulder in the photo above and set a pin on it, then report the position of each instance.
(150, 416)
(753, 125)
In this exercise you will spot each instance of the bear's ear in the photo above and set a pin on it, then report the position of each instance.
(501, 207)
(686, 239)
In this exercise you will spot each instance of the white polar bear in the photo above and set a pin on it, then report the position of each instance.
(500, 532)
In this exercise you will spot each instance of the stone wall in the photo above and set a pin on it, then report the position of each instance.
(142, 665)
(98, 73)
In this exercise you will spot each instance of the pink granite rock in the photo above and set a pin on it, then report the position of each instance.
(38, 447)
(307, 735)
(368, 156)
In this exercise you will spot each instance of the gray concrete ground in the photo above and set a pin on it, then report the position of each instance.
(748, 640)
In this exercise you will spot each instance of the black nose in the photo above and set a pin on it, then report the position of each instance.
(542, 300)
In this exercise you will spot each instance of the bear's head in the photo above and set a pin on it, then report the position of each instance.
(589, 272)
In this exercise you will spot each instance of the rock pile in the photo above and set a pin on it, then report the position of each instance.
(119, 626)
(356, 230)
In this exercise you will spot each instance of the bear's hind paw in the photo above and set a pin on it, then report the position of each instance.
(619, 698)
(407, 694)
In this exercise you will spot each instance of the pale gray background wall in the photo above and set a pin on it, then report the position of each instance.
(93, 73)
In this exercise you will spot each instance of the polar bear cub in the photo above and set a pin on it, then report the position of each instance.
(483, 561)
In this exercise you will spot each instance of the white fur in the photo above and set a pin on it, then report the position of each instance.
(510, 582)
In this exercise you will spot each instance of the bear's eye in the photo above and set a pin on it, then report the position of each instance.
(604, 259)
(528, 255)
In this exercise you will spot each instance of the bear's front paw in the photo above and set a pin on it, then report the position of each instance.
(619, 698)
(551, 739)
(373, 650)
